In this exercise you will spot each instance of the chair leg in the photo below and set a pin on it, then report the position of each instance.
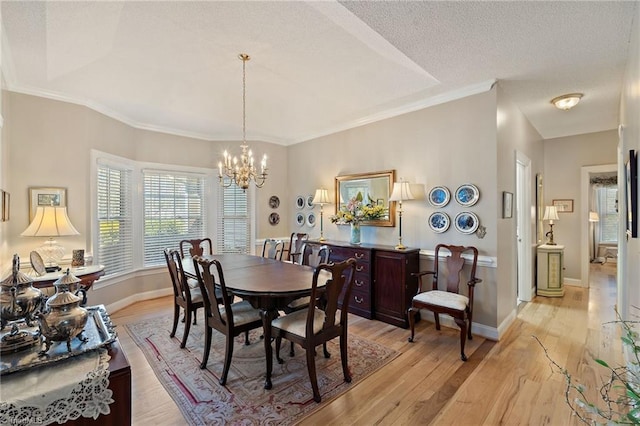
(411, 313)
(292, 351)
(207, 347)
(311, 367)
(469, 332)
(176, 316)
(343, 358)
(228, 353)
(278, 344)
(246, 338)
(326, 351)
(187, 327)
(463, 336)
(437, 315)
(195, 316)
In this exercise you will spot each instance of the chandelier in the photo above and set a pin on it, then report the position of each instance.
(242, 171)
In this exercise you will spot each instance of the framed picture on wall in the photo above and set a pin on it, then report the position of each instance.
(507, 205)
(51, 196)
(563, 206)
(5, 198)
(631, 189)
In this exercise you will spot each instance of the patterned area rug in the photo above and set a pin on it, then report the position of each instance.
(244, 400)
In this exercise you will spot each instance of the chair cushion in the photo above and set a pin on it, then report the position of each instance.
(445, 299)
(243, 313)
(192, 283)
(299, 303)
(296, 322)
(196, 295)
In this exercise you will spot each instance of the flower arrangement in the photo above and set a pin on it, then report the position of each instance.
(355, 211)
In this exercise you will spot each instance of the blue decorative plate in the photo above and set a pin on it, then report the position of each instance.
(466, 222)
(467, 195)
(439, 196)
(300, 219)
(439, 222)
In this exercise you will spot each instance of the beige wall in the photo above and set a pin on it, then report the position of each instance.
(628, 290)
(449, 144)
(563, 159)
(48, 143)
(514, 133)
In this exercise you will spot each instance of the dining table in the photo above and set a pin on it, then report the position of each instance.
(268, 284)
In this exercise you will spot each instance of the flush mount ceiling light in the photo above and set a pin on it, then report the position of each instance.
(566, 102)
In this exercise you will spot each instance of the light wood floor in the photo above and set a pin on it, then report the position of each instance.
(508, 382)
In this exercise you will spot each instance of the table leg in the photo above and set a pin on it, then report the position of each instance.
(267, 317)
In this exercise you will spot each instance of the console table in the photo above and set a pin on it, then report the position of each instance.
(120, 384)
(550, 270)
(383, 286)
(86, 274)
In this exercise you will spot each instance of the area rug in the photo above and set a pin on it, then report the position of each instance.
(243, 400)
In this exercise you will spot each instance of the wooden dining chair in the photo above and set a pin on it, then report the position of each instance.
(272, 248)
(294, 249)
(310, 255)
(185, 297)
(230, 319)
(321, 321)
(196, 247)
(448, 301)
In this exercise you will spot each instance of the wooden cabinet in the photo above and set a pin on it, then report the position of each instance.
(383, 285)
(394, 287)
(550, 270)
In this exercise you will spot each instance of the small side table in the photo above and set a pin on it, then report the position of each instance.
(550, 270)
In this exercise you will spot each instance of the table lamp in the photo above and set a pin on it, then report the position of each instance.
(321, 197)
(401, 192)
(550, 214)
(50, 222)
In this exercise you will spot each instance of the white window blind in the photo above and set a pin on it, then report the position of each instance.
(115, 219)
(234, 221)
(608, 214)
(174, 210)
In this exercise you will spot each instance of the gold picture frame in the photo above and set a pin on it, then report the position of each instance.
(46, 196)
(5, 199)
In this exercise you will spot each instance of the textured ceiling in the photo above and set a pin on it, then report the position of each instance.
(317, 67)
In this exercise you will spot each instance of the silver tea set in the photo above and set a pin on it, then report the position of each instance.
(60, 318)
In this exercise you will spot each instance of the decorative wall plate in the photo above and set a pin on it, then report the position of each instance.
(274, 202)
(274, 219)
(300, 219)
(467, 195)
(466, 222)
(439, 222)
(439, 196)
(36, 263)
(300, 202)
(311, 220)
(310, 201)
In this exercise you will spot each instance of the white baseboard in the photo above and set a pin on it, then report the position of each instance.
(139, 297)
(574, 282)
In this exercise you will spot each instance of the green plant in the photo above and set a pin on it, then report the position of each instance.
(619, 401)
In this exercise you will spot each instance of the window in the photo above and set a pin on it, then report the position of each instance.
(608, 214)
(115, 219)
(174, 209)
(234, 220)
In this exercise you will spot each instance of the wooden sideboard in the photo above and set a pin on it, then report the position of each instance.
(120, 384)
(383, 285)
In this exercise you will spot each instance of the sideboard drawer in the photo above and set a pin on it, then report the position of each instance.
(342, 253)
(360, 303)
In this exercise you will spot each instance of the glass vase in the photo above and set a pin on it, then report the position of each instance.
(355, 233)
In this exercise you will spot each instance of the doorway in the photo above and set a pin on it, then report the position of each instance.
(523, 228)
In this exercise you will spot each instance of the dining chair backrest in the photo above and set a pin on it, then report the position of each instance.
(313, 255)
(196, 247)
(272, 248)
(181, 289)
(210, 280)
(327, 297)
(296, 242)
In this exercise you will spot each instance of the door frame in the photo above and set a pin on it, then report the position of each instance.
(524, 274)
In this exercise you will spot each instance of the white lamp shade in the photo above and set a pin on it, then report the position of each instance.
(50, 222)
(594, 217)
(321, 197)
(401, 192)
(550, 213)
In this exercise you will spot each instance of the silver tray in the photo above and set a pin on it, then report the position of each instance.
(99, 332)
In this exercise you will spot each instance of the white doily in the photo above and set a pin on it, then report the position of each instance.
(59, 392)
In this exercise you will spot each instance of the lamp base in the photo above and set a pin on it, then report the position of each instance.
(401, 247)
(322, 239)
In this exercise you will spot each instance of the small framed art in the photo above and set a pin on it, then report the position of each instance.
(5, 200)
(507, 205)
(563, 206)
(45, 197)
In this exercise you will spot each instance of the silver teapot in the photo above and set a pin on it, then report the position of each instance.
(18, 298)
(64, 318)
